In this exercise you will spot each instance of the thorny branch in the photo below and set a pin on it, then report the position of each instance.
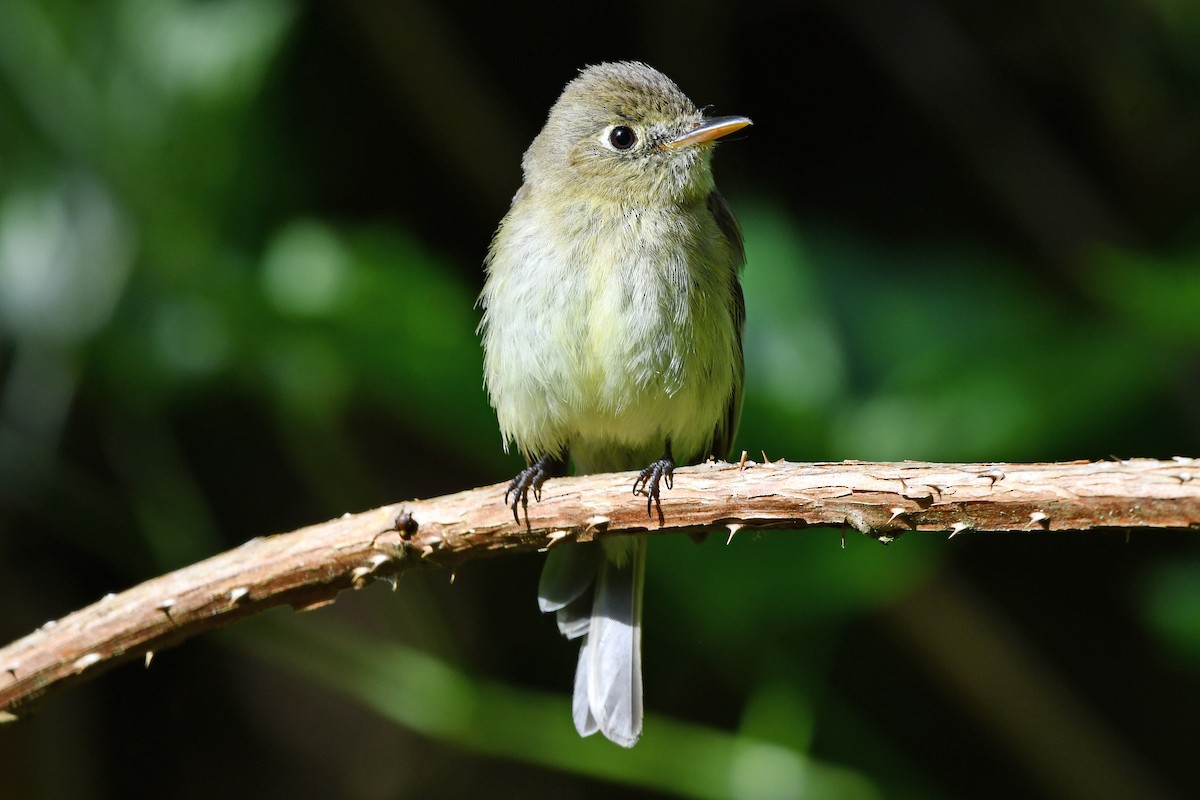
(307, 568)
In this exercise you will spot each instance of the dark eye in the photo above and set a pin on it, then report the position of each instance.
(622, 137)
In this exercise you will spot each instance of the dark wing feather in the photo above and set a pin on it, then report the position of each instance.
(726, 431)
(729, 226)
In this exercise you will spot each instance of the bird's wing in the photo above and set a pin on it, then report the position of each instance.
(727, 429)
(729, 226)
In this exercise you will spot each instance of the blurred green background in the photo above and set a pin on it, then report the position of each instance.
(240, 244)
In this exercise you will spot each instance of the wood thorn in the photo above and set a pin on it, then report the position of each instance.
(83, 662)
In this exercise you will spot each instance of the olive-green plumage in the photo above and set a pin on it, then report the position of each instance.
(612, 336)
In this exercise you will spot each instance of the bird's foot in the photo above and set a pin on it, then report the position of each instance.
(532, 477)
(648, 481)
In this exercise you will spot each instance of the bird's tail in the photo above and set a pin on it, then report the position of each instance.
(608, 679)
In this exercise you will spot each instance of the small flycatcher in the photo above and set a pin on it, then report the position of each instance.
(612, 335)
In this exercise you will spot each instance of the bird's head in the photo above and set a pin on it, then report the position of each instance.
(624, 132)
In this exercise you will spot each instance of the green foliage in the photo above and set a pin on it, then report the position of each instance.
(1170, 597)
(439, 701)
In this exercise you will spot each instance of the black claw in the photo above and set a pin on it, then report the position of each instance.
(532, 477)
(518, 487)
(648, 480)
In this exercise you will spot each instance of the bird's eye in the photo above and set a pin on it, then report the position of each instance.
(622, 137)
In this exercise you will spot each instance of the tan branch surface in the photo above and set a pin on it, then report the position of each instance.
(307, 568)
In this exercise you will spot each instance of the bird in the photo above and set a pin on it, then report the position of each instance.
(612, 320)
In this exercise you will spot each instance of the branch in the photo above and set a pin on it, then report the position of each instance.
(307, 568)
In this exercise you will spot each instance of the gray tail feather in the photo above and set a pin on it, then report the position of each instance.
(575, 620)
(608, 679)
(567, 574)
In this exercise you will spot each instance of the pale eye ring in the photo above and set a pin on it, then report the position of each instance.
(622, 137)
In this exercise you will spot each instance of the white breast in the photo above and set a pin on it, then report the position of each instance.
(614, 333)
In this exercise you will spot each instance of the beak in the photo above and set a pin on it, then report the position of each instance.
(707, 130)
